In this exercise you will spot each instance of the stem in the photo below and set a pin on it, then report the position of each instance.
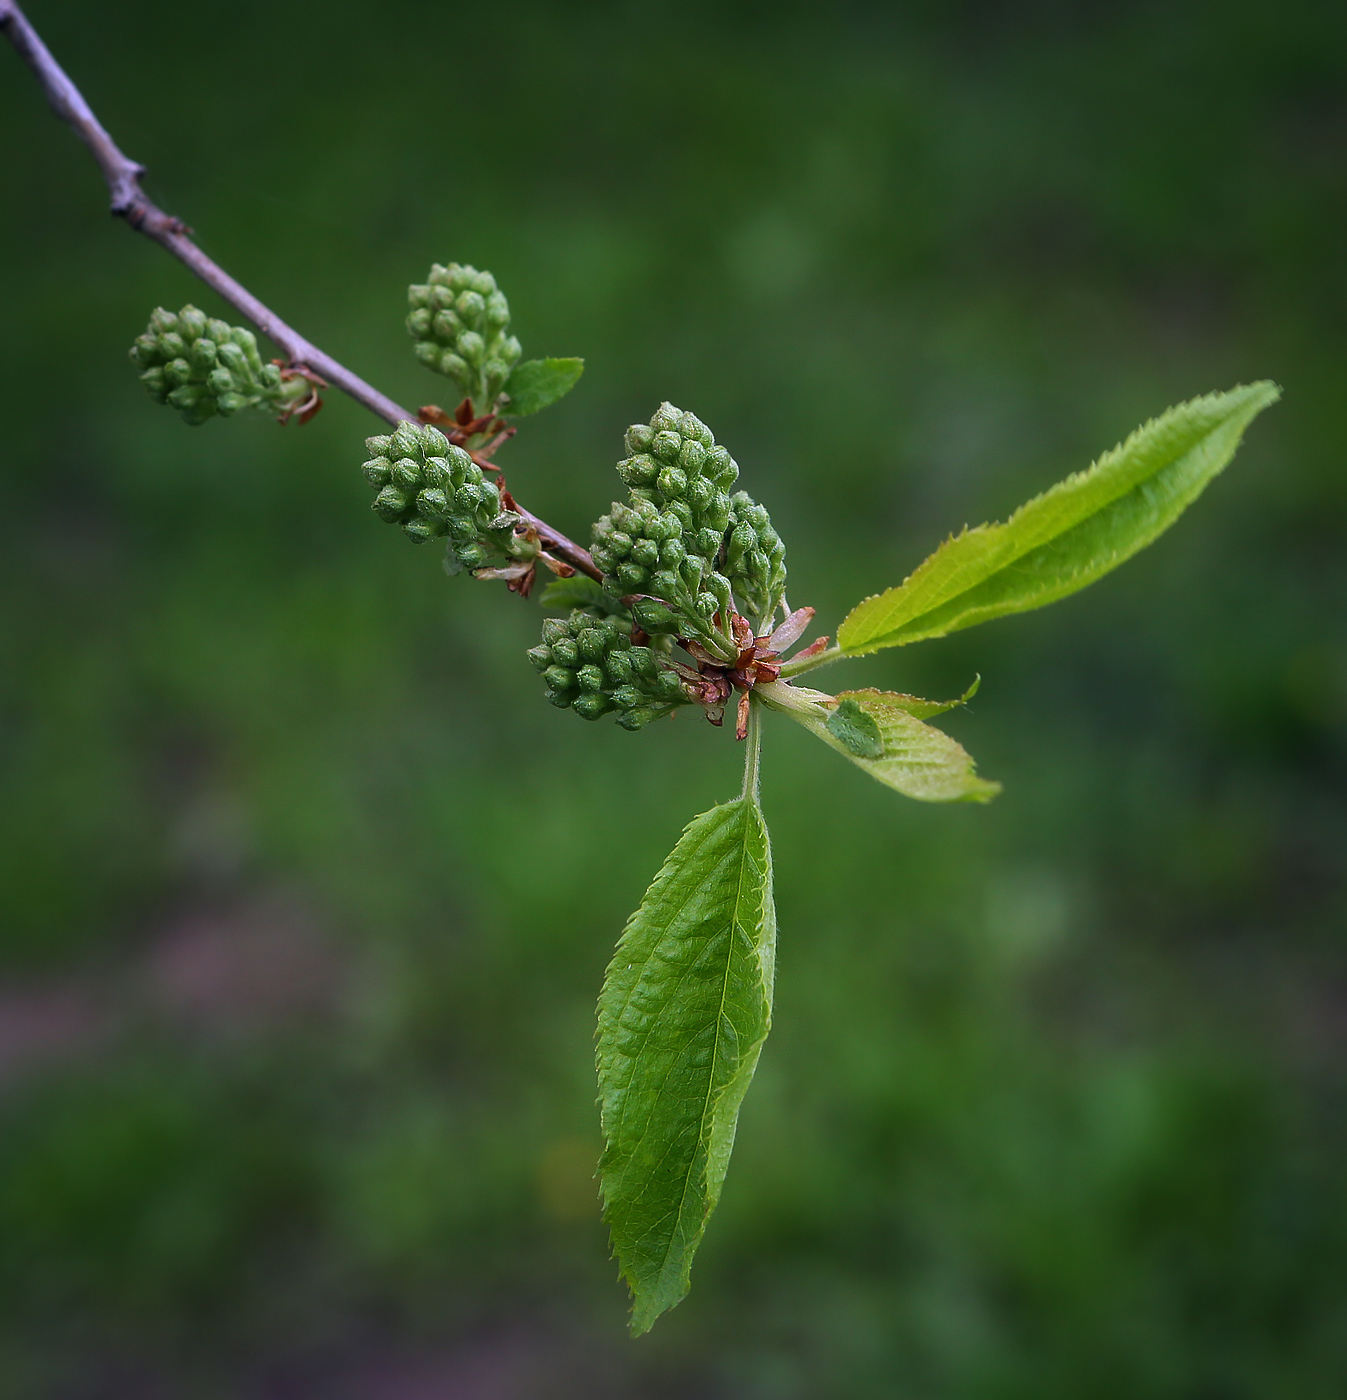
(796, 701)
(130, 202)
(753, 750)
(809, 663)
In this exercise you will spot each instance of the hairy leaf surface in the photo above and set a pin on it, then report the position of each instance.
(1070, 535)
(916, 760)
(536, 383)
(685, 1008)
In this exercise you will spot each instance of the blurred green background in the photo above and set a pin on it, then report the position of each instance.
(305, 895)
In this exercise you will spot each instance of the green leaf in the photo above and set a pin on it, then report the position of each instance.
(684, 1011)
(536, 383)
(578, 592)
(878, 732)
(918, 708)
(1070, 535)
(857, 731)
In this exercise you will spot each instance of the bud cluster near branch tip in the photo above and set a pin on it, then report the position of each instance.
(203, 366)
(458, 321)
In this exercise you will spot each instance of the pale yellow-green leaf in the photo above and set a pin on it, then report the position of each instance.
(1070, 535)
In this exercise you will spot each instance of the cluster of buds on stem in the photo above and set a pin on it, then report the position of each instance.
(590, 664)
(203, 366)
(434, 490)
(458, 320)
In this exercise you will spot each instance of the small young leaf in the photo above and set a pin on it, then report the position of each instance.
(685, 1008)
(536, 383)
(856, 731)
(912, 758)
(1070, 535)
(579, 591)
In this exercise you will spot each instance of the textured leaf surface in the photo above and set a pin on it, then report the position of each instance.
(1070, 535)
(916, 760)
(685, 1007)
(536, 383)
(578, 592)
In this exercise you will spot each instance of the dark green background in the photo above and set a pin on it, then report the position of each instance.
(306, 894)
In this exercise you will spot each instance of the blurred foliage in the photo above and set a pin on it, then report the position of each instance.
(305, 896)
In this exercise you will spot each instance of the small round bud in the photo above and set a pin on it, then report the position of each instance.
(565, 651)
(666, 446)
(639, 437)
(692, 457)
(593, 643)
(434, 503)
(471, 307)
(407, 472)
(191, 322)
(638, 471)
(672, 481)
(559, 678)
(591, 706)
(471, 347)
(653, 616)
(540, 658)
(591, 677)
(390, 504)
(419, 529)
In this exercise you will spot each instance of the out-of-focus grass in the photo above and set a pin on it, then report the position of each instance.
(305, 896)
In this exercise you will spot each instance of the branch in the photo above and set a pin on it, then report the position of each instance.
(130, 202)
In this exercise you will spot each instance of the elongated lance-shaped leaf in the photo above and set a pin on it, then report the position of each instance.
(879, 733)
(685, 1008)
(1070, 535)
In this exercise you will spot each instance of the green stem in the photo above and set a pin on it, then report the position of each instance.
(809, 663)
(753, 754)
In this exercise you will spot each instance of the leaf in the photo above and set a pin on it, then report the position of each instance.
(913, 758)
(685, 1008)
(578, 592)
(918, 708)
(534, 384)
(1070, 535)
(855, 730)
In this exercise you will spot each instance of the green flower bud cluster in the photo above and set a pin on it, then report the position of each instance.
(202, 366)
(667, 541)
(755, 559)
(589, 664)
(458, 321)
(432, 489)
